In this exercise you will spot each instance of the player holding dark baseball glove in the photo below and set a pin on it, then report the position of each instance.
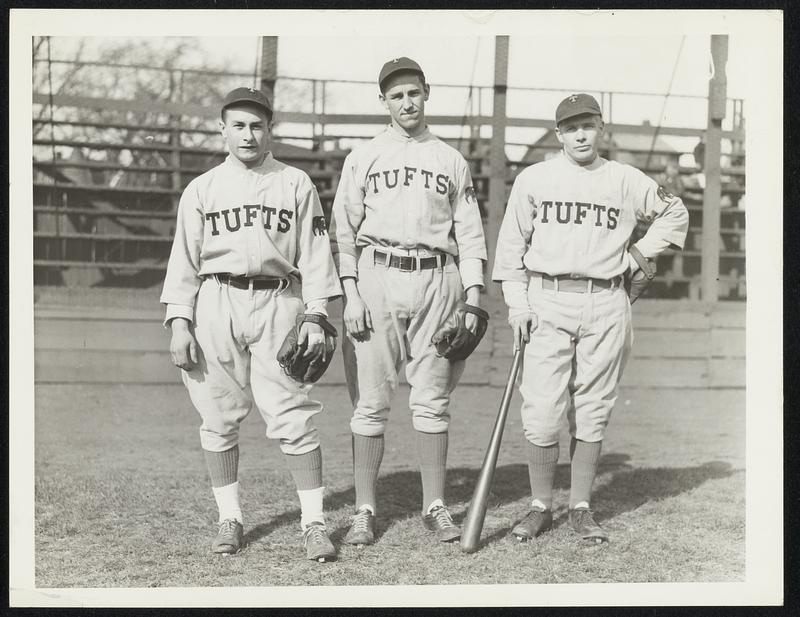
(408, 242)
(241, 271)
(298, 359)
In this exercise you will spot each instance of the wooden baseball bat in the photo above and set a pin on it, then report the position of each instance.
(473, 524)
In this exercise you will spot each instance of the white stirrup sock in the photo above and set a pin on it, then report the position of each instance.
(228, 502)
(311, 506)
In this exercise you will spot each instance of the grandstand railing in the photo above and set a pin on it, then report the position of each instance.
(106, 192)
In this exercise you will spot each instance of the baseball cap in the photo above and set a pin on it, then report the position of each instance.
(396, 65)
(247, 95)
(576, 105)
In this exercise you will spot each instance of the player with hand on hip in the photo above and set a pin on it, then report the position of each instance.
(250, 255)
(565, 258)
(408, 241)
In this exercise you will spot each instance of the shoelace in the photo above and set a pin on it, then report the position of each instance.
(361, 521)
(442, 517)
(228, 527)
(315, 533)
(585, 518)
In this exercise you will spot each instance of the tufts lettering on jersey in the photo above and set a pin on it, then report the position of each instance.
(472, 198)
(664, 194)
(406, 176)
(579, 213)
(320, 225)
(233, 219)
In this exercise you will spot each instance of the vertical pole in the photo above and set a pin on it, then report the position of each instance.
(269, 66)
(717, 92)
(323, 94)
(497, 156)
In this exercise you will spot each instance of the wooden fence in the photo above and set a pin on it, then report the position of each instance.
(117, 336)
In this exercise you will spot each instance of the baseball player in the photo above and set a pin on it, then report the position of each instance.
(250, 254)
(564, 258)
(408, 243)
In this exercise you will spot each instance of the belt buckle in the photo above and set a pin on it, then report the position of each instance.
(574, 276)
(405, 259)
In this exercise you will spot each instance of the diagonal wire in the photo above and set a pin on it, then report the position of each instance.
(468, 103)
(664, 105)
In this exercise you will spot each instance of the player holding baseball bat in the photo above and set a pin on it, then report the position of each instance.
(571, 267)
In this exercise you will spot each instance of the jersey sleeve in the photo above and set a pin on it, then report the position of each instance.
(346, 217)
(468, 227)
(662, 213)
(182, 280)
(515, 236)
(314, 259)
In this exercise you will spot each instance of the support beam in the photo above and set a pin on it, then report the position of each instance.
(717, 95)
(497, 157)
(269, 66)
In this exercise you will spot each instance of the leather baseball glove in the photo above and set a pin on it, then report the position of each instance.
(457, 342)
(306, 369)
(636, 283)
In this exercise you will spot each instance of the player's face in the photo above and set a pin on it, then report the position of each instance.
(404, 96)
(246, 131)
(579, 137)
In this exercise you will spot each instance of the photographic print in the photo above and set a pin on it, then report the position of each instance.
(435, 311)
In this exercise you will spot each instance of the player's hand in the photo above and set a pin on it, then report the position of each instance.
(356, 316)
(313, 337)
(182, 346)
(473, 295)
(522, 325)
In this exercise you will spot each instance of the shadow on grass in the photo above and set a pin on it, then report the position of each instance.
(399, 493)
(632, 488)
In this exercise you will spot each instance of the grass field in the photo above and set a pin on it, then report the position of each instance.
(123, 500)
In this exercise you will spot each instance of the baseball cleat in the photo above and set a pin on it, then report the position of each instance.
(317, 543)
(582, 521)
(439, 520)
(536, 522)
(229, 537)
(362, 529)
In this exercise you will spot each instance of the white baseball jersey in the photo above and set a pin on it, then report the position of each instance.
(565, 219)
(262, 221)
(407, 193)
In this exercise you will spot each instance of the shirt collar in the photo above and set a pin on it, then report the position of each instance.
(233, 161)
(394, 134)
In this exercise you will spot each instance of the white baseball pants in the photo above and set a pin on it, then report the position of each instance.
(574, 361)
(239, 332)
(407, 308)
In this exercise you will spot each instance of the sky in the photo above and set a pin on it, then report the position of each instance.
(595, 63)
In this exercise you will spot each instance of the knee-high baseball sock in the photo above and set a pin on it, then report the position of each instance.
(367, 457)
(223, 467)
(542, 462)
(585, 456)
(306, 469)
(432, 453)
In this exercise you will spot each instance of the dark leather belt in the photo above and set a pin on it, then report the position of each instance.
(409, 263)
(577, 284)
(244, 282)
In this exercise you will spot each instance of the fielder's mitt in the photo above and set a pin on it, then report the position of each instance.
(457, 342)
(290, 356)
(636, 283)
